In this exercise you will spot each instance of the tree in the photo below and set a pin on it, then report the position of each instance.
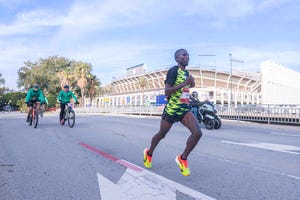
(54, 72)
(142, 83)
(12, 98)
(2, 84)
(88, 83)
(92, 87)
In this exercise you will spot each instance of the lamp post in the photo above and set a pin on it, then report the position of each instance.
(215, 81)
(232, 60)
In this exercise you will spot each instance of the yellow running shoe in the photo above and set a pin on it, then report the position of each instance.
(147, 159)
(183, 165)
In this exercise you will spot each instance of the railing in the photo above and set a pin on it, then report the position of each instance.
(265, 114)
(269, 114)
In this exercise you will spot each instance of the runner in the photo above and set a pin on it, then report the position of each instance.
(177, 84)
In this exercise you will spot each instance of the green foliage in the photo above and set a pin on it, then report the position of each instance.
(21, 105)
(54, 72)
(12, 99)
(2, 82)
(52, 99)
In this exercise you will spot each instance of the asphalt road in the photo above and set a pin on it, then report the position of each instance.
(239, 161)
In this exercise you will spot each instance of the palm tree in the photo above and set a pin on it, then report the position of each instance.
(2, 82)
(142, 83)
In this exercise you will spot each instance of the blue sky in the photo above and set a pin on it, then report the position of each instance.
(113, 35)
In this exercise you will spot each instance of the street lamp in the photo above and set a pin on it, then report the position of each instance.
(232, 60)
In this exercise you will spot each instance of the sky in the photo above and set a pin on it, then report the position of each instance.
(113, 35)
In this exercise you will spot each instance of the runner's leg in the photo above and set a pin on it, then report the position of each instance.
(190, 122)
(164, 129)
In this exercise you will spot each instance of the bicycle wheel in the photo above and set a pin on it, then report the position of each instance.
(35, 119)
(71, 118)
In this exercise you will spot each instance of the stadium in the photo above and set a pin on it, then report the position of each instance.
(274, 84)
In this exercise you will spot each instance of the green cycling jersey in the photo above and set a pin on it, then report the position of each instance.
(65, 97)
(35, 95)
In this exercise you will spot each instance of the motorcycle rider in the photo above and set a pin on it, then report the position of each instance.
(194, 103)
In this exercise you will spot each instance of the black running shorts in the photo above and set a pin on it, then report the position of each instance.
(173, 118)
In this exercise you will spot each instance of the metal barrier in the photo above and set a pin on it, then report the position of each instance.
(265, 114)
(269, 114)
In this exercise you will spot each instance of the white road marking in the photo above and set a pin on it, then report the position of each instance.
(292, 176)
(284, 134)
(269, 146)
(144, 185)
(274, 147)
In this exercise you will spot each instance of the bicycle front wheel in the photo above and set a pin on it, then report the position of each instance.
(71, 118)
(35, 119)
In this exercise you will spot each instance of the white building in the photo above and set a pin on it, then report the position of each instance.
(279, 84)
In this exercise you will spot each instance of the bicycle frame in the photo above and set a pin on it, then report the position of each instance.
(34, 115)
(69, 115)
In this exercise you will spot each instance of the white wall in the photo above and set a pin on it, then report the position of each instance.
(280, 85)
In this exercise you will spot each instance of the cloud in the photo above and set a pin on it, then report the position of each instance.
(268, 4)
(253, 57)
(81, 32)
(13, 3)
(31, 22)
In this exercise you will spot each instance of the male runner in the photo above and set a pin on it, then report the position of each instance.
(177, 84)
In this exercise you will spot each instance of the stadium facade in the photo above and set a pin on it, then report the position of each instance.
(274, 84)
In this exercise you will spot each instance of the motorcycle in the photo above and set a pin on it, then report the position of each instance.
(208, 108)
(207, 113)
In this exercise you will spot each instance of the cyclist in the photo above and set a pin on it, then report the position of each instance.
(64, 98)
(177, 84)
(43, 107)
(34, 94)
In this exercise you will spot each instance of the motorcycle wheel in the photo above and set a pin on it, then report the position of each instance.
(209, 124)
(218, 123)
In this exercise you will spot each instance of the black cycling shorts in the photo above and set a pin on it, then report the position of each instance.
(173, 118)
(31, 102)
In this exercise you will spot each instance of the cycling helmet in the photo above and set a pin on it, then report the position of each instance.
(66, 87)
(36, 86)
(195, 94)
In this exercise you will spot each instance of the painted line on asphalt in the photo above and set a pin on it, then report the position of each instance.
(274, 147)
(138, 183)
(269, 146)
(110, 157)
(284, 134)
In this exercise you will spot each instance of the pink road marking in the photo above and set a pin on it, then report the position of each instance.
(112, 158)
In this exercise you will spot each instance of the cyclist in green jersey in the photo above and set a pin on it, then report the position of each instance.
(34, 95)
(64, 98)
(177, 84)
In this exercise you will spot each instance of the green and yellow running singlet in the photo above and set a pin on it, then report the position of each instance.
(178, 101)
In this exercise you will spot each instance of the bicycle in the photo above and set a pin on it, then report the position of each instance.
(42, 110)
(34, 116)
(69, 115)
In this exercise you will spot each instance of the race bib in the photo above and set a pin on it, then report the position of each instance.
(185, 96)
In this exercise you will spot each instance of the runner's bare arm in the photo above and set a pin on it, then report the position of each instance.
(172, 89)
